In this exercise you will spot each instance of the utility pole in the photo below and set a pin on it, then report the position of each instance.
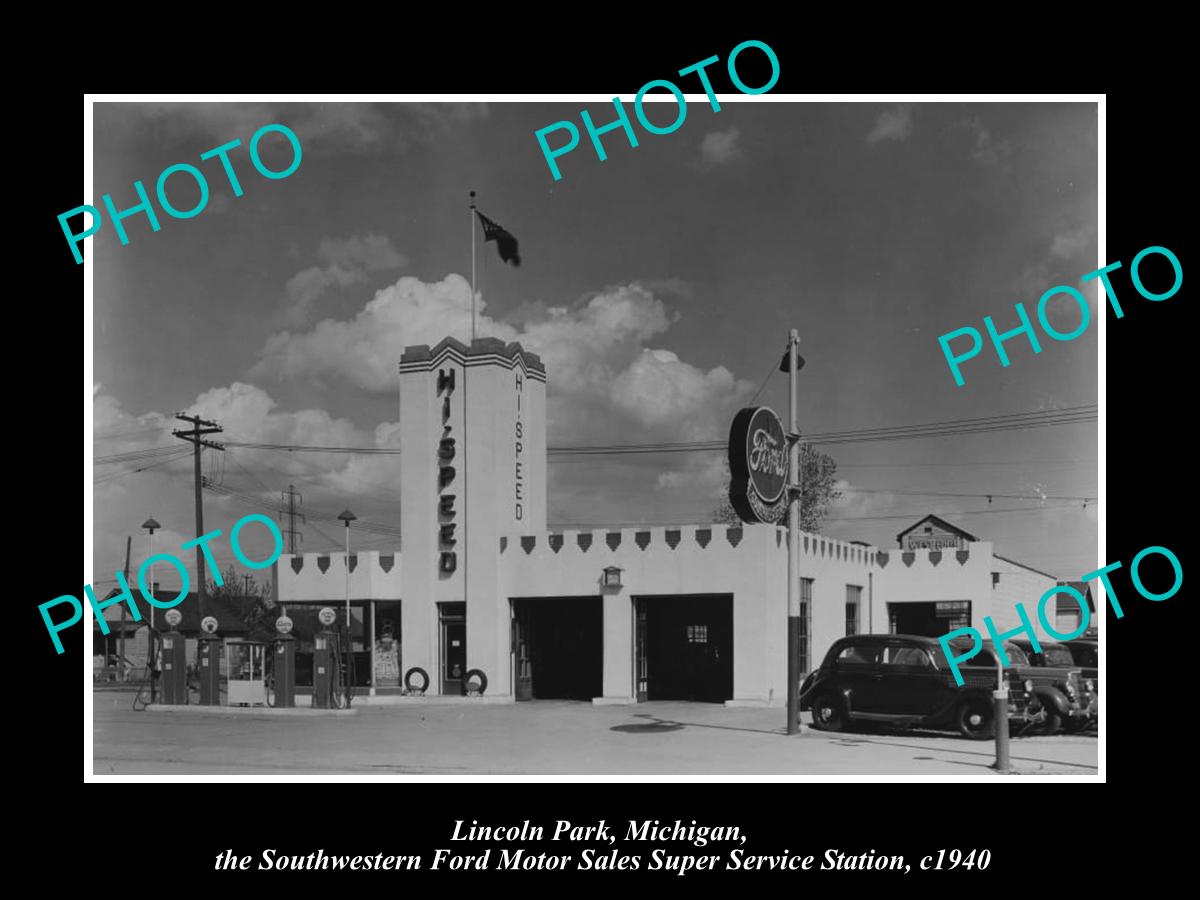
(289, 497)
(121, 663)
(194, 437)
(793, 534)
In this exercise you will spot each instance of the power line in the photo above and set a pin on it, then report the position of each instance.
(113, 476)
(968, 512)
(677, 523)
(771, 371)
(130, 455)
(984, 424)
(987, 496)
(250, 499)
(116, 435)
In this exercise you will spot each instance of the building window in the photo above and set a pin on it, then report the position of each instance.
(995, 579)
(697, 634)
(853, 604)
(954, 613)
(805, 624)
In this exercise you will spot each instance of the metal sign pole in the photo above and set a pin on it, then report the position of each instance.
(793, 566)
(1000, 718)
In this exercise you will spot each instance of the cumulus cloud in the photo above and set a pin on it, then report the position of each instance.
(892, 125)
(660, 389)
(320, 127)
(345, 261)
(1068, 254)
(610, 381)
(603, 371)
(719, 148)
(986, 150)
(123, 498)
(218, 203)
(1071, 245)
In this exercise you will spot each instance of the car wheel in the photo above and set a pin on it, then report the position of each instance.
(827, 713)
(1052, 724)
(976, 720)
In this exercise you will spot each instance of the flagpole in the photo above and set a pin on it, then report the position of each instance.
(472, 215)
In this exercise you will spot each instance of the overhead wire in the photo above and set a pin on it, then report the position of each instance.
(944, 428)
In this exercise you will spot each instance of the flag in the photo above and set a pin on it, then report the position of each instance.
(505, 242)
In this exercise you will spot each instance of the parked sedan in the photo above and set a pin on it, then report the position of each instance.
(905, 680)
(1060, 692)
(1086, 654)
(1067, 656)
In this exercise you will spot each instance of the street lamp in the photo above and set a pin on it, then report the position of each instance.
(347, 517)
(151, 526)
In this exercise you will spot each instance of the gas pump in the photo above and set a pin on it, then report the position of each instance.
(174, 662)
(326, 662)
(282, 684)
(347, 667)
(208, 663)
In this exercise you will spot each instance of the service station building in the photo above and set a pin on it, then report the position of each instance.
(695, 612)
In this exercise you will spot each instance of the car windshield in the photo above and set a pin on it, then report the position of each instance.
(1057, 656)
(1084, 654)
(1016, 656)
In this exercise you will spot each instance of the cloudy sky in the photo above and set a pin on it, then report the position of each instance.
(658, 287)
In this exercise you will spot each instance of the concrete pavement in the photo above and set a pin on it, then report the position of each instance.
(545, 737)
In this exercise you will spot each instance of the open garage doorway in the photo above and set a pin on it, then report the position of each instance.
(558, 648)
(683, 647)
(931, 619)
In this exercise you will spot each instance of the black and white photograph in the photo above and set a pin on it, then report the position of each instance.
(709, 433)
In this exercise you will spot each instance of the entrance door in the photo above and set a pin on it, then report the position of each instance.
(523, 658)
(557, 648)
(453, 618)
(640, 659)
(685, 647)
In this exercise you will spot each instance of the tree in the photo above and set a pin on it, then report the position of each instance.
(251, 601)
(818, 475)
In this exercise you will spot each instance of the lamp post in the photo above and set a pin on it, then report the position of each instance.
(792, 363)
(151, 526)
(347, 517)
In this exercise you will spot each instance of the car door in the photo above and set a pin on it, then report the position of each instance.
(910, 684)
(859, 671)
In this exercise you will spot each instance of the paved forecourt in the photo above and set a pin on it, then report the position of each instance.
(543, 737)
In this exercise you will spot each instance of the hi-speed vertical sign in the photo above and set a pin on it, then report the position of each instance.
(758, 464)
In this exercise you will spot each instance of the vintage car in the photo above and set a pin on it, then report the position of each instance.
(905, 680)
(1067, 656)
(1086, 653)
(1065, 697)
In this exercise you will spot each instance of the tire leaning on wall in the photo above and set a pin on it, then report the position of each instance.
(478, 673)
(416, 670)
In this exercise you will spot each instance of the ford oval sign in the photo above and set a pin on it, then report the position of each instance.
(758, 465)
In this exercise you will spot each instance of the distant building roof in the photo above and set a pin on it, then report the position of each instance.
(224, 609)
(1084, 588)
(941, 523)
(1023, 566)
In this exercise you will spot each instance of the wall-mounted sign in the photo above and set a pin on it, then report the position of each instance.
(518, 509)
(758, 465)
(933, 542)
(447, 558)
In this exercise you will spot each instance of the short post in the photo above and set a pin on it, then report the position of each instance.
(1000, 718)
